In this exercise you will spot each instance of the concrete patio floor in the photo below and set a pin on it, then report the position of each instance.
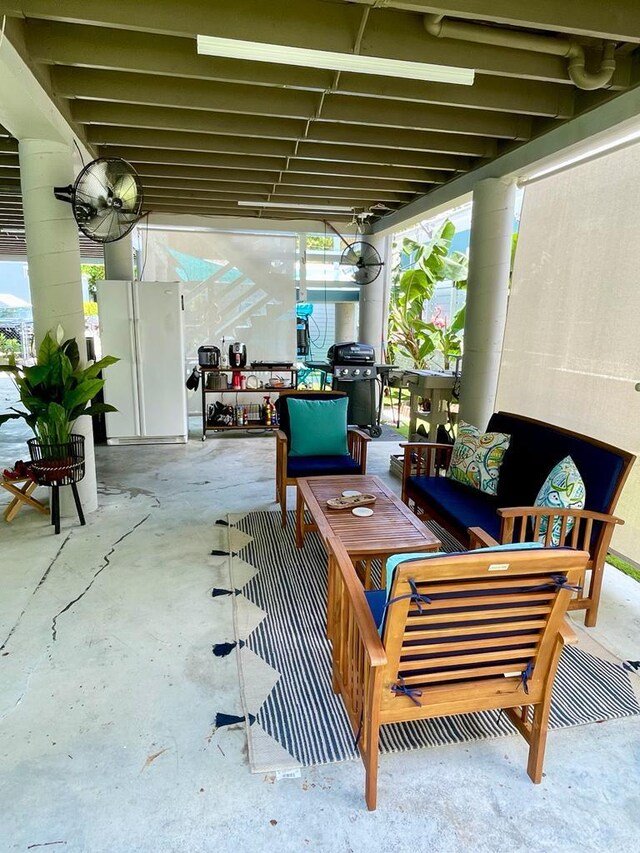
(109, 690)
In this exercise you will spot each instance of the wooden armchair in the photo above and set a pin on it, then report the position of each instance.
(460, 633)
(288, 469)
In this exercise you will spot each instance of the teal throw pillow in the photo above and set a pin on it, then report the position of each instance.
(318, 427)
(476, 458)
(564, 487)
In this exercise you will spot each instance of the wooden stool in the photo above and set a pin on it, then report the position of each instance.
(21, 496)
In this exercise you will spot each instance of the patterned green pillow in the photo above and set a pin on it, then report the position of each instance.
(564, 487)
(476, 458)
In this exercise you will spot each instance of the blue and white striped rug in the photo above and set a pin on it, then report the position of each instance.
(302, 714)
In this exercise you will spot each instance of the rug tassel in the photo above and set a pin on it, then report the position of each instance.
(221, 650)
(222, 521)
(216, 553)
(216, 591)
(231, 720)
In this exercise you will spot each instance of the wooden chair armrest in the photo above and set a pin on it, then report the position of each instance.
(523, 524)
(517, 511)
(281, 436)
(479, 538)
(361, 435)
(352, 589)
(567, 634)
(438, 445)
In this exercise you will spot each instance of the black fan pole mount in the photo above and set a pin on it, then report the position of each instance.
(106, 199)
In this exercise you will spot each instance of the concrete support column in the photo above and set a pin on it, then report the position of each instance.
(53, 254)
(345, 321)
(372, 298)
(118, 259)
(487, 294)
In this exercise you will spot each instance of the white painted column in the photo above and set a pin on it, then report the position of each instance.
(118, 259)
(345, 321)
(53, 254)
(487, 295)
(372, 298)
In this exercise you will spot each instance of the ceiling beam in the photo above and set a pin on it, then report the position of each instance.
(618, 21)
(312, 184)
(200, 159)
(200, 178)
(383, 192)
(209, 142)
(165, 118)
(304, 193)
(300, 170)
(364, 111)
(143, 53)
(99, 114)
(265, 122)
(312, 24)
(101, 135)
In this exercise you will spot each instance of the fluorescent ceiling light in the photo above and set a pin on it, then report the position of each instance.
(285, 55)
(291, 206)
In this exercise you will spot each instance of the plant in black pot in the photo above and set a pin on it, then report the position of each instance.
(55, 392)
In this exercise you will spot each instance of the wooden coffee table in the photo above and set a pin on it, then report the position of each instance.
(392, 529)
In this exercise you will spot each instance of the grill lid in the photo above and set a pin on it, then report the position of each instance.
(351, 353)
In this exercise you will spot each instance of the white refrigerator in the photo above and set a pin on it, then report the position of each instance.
(141, 324)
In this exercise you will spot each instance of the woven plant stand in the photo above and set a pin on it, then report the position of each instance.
(56, 465)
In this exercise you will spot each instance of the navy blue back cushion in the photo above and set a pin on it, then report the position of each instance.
(534, 450)
(283, 409)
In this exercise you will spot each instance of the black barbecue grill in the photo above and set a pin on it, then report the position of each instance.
(354, 369)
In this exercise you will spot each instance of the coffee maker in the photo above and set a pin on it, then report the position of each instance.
(237, 355)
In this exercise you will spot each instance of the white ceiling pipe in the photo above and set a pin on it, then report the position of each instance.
(437, 26)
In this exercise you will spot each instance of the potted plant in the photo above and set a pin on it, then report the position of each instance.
(55, 392)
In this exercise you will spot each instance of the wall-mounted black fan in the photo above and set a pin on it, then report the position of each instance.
(364, 261)
(106, 199)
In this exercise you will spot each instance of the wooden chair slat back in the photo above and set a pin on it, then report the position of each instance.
(483, 616)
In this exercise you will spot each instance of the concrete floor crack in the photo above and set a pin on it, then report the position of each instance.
(106, 562)
(41, 581)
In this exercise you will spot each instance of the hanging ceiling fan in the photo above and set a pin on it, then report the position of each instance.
(106, 199)
(364, 261)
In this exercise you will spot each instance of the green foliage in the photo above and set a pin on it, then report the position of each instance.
(624, 567)
(9, 346)
(94, 273)
(56, 391)
(316, 241)
(431, 262)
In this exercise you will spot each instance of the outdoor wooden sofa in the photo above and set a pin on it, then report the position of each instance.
(534, 449)
(459, 633)
(289, 468)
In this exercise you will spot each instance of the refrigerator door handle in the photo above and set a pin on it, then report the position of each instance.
(137, 367)
(140, 378)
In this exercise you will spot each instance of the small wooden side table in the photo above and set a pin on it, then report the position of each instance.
(21, 496)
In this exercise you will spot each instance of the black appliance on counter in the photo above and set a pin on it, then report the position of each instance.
(355, 372)
(237, 355)
(208, 356)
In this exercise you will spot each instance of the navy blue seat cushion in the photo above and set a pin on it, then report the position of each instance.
(536, 448)
(461, 505)
(282, 408)
(377, 601)
(321, 466)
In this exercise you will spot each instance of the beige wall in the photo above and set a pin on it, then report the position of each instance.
(572, 344)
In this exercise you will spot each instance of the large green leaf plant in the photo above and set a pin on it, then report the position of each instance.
(410, 335)
(56, 391)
